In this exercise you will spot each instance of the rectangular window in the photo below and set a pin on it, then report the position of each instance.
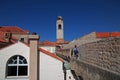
(12, 70)
(22, 39)
(22, 71)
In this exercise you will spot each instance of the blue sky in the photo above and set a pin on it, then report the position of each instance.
(80, 16)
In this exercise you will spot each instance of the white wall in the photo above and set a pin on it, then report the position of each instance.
(50, 68)
(49, 48)
(5, 53)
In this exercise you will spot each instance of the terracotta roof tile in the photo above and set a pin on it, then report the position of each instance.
(115, 34)
(4, 45)
(50, 54)
(47, 53)
(47, 43)
(3, 42)
(102, 34)
(13, 29)
(107, 34)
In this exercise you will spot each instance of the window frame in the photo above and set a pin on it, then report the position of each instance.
(18, 65)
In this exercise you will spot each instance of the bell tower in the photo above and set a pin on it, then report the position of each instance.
(59, 30)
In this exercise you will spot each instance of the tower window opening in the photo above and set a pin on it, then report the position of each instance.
(59, 26)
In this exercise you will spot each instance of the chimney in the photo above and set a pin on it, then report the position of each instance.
(34, 66)
(8, 36)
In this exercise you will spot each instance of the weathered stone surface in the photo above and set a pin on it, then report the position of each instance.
(98, 60)
(91, 72)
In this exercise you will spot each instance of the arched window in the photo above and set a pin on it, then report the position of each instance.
(17, 66)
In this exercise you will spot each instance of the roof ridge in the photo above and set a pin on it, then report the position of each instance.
(14, 28)
(20, 29)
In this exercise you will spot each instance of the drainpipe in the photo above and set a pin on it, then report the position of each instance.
(64, 70)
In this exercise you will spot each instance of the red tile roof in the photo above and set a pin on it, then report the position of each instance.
(40, 49)
(47, 43)
(107, 34)
(13, 29)
(47, 53)
(50, 54)
(4, 45)
(3, 42)
(115, 34)
(2, 37)
(102, 34)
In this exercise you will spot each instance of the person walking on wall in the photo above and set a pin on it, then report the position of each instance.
(75, 51)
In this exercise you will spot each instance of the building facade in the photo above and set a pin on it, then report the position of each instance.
(21, 60)
(18, 62)
(49, 46)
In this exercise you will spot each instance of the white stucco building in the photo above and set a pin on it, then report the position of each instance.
(10, 62)
(23, 57)
(15, 63)
(49, 46)
(51, 67)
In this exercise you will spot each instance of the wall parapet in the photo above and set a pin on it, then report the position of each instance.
(86, 71)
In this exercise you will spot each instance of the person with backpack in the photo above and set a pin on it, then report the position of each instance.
(75, 51)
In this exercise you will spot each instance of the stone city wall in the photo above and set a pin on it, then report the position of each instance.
(99, 60)
(86, 71)
(104, 53)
